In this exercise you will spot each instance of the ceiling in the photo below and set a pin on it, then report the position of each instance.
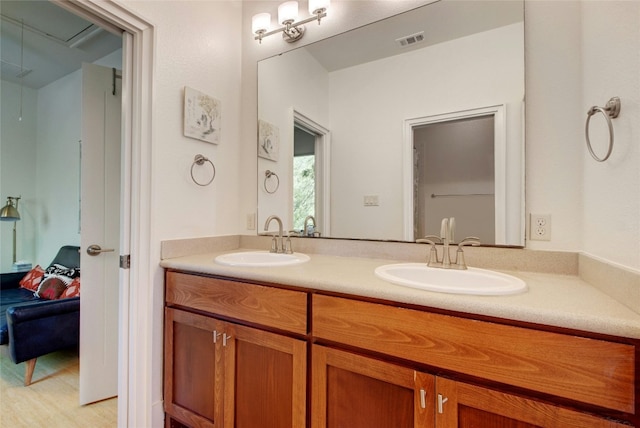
(55, 43)
(437, 22)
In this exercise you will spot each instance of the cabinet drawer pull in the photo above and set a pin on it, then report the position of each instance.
(423, 398)
(225, 338)
(215, 336)
(441, 400)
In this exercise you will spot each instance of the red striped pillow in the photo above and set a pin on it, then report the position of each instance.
(31, 280)
(72, 290)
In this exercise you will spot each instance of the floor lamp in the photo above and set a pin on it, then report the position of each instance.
(10, 213)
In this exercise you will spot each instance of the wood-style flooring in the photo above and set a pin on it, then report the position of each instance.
(52, 399)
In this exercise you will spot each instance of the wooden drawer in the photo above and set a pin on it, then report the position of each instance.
(587, 370)
(267, 306)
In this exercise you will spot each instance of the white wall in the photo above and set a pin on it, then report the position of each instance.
(197, 44)
(554, 120)
(611, 67)
(17, 170)
(286, 87)
(58, 166)
(580, 54)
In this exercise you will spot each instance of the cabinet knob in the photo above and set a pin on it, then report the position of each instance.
(423, 398)
(441, 400)
(215, 336)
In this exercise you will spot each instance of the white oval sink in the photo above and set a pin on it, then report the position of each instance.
(261, 259)
(471, 281)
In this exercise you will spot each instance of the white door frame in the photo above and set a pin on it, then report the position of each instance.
(323, 167)
(500, 170)
(135, 381)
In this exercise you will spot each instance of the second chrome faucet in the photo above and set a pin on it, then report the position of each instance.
(278, 243)
(447, 233)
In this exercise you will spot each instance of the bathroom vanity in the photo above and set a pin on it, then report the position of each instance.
(301, 347)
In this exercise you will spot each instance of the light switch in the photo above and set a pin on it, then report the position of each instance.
(371, 201)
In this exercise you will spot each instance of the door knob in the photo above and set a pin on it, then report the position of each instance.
(94, 250)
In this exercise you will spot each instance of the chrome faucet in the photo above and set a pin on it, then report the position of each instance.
(446, 238)
(305, 231)
(277, 244)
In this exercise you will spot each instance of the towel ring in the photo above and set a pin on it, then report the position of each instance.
(610, 111)
(267, 175)
(200, 160)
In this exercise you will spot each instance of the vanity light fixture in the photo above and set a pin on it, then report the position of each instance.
(287, 14)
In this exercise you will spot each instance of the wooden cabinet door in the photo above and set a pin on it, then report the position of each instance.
(193, 369)
(265, 379)
(353, 391)
(460, 405)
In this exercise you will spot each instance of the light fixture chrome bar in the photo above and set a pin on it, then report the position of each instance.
(284, 28)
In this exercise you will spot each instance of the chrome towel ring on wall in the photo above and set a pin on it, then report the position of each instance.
(267, 175)
(200, 160)
(610, 111)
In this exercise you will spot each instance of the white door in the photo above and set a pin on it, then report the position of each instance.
(100, 213)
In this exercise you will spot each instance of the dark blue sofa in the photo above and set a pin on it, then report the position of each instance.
(33, 327)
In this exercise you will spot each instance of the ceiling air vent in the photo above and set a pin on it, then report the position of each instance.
(410, 40)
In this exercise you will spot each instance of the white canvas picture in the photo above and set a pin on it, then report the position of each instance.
(268, 140)
(201, 116)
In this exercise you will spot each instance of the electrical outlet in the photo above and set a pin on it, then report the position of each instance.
(251, 221)
(540, 227)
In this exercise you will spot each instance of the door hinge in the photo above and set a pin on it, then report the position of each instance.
(125, 261)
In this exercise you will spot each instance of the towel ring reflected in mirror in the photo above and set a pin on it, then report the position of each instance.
(267, 175)
(610, 111)
(200, 160)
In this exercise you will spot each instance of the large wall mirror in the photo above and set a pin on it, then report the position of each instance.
(381, 132)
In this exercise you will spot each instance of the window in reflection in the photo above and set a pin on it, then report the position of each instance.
(304, 177)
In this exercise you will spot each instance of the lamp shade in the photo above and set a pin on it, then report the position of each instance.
(9, 212)
(318, 6)
(260, 23)
(288, 12)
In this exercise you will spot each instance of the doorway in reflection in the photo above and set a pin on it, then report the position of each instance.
(454, 176)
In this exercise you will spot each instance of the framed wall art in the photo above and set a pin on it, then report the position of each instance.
(268, 140)
(201, 116)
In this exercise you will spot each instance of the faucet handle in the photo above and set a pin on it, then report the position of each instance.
(470, 241)
(429, 239)
(432, 260)
(274, 244)
(288, 248)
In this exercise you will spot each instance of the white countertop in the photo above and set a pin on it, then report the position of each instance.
(555, 300)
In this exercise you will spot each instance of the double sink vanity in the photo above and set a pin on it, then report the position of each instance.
(356, 334)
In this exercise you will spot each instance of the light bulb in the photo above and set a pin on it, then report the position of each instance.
(260, 23)
(288, 12)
